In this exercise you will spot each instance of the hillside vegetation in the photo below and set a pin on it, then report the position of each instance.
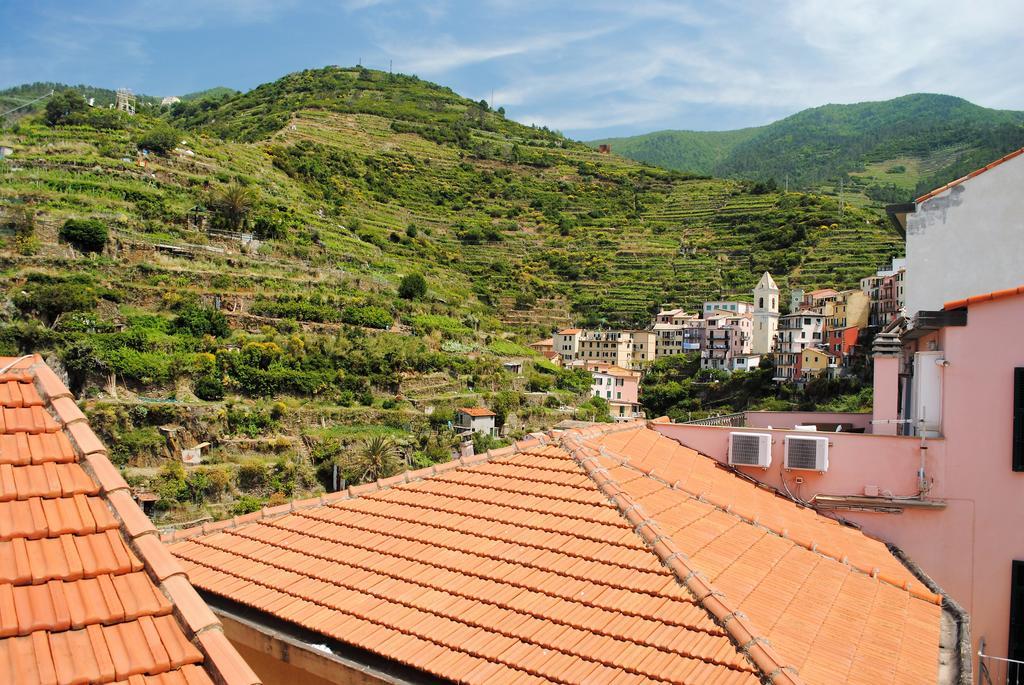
(245, 270)
(885, 151)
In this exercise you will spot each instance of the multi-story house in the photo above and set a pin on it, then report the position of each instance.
(683, 337)
(630, 349)
(730, 306)
(885, 291)
(620, 387)
(845, 316)
(814, 362)
(728, 336)
(815, 301)
(797, 332)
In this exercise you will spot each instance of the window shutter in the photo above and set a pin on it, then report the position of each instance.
(1018, 419)
(1015, 644)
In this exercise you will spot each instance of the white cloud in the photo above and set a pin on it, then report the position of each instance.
(448, 54)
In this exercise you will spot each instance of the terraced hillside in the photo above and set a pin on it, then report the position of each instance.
(278, 324)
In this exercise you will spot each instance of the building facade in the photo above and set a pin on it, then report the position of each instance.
(728, 336)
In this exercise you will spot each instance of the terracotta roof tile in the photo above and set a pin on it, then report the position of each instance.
(537, 562)
(476, 411)
(77, 604)
(986, 297)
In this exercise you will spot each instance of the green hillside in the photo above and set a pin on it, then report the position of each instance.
(291, 351)
(699, 152)
(17, 96)
(885, 151)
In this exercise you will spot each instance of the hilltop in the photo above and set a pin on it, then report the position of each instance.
(886, 151)
(250, 290)
(102, 97)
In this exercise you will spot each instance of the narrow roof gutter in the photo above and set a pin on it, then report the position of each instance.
(964, 653)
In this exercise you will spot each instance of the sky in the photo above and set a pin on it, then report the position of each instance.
(588, 68)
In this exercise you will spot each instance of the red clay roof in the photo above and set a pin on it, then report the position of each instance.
(987, 297)
(587, 556)
(88, 594)
(570, 331)
(976, 172)
(477, 411)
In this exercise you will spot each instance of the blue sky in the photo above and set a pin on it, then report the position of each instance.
(588, 68)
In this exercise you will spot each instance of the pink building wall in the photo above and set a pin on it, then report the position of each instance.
(968, 546)
(791, 419)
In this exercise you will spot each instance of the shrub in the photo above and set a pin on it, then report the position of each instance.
(50, 300)
(210, 388)
(370, 316)
(412, 287)
(86, 235)
(246, 504)
(161, 140)
(253, 475)
(141, 443)
(197, 320)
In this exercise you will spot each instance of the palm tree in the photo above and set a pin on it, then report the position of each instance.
(233, 204)
(377, 458)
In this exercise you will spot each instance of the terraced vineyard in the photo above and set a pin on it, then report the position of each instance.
(291, 318)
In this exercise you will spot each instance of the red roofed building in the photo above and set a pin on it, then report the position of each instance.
(88, 594)
(608, 554)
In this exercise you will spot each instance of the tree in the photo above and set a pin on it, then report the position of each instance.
(63, 106)
(412, 287)
(376, 459)
(161, 139)
(233, 204)
(87, 235)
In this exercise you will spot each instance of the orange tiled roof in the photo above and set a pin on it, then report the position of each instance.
(987, 297)
(477, 411)
(570, 331)
(976, 172)
(88, 594)
(600, 554)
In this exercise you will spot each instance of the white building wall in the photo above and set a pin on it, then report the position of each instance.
(968, 240)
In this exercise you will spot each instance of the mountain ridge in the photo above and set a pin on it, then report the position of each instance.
(941, 136)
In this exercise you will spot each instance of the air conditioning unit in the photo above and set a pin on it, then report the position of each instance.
(750, 449)
(806, 453)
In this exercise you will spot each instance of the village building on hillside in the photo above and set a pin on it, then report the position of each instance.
(577, 556)
(729, 306)
(814, 362)
(542, 346)
(797, 332)
(88, 594)
(728, 336)
(631, 349)
(469, 420)
(680, 334)
(885, 291)
(620, 387)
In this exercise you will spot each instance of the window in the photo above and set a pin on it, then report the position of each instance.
(1015, 645)
(1018, 425)
(760, 303)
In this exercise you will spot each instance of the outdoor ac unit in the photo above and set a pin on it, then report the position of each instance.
(806, 453)
(750, 449)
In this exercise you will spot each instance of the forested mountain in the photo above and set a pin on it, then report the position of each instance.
(248, 267)
(886, 150)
